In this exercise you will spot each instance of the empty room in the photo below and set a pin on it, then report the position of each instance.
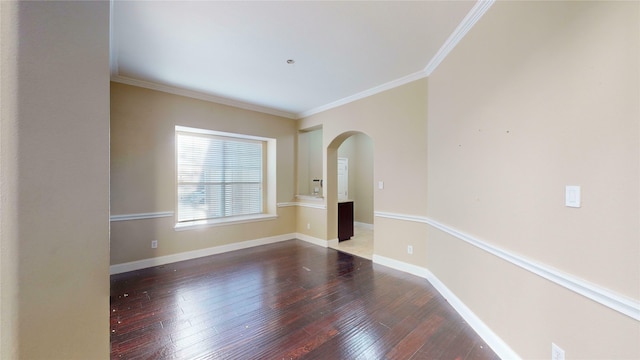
(320, 179)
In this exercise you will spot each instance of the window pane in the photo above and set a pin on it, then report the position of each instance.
(218, 176)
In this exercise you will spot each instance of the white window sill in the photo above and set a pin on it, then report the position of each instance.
(223, 221)
(310, 197)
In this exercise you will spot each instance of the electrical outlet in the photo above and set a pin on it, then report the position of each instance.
(308, 226)
(410, 250)
(154, 244)
(556, 352)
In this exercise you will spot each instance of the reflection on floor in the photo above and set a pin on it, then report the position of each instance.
(361, 244)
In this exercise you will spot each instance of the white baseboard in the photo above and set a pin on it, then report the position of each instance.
(188, 255)
(333, 243)
(400, 265)
(312, 240)
(494, 341)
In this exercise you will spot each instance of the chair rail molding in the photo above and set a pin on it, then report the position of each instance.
(597, 293)
(140, 216)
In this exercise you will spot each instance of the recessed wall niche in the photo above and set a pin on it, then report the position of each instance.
(310, 162)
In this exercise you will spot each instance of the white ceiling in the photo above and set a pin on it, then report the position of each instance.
(236, 52)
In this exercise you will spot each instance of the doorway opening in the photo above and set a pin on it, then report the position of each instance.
(352, 159)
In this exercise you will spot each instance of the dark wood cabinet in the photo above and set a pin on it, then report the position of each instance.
(345, 220)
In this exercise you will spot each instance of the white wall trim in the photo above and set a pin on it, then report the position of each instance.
(286, 204)
(302, 204)
(461, 30)
(201, 96)
(395, 216)
(312, 240)
(401, 265)
(140, 216)
(501, 348)
(361, 95)
(597, 293)
(494, 341)
(188, 255)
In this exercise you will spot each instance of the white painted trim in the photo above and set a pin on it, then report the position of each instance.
(363, 225)
(286, 204)
(461, 30)
(333, 243)
(395, 216)
(597, 293)
(494, 341)
(361, 95)
(310, 197)
(201, 96)
(140, 216)
(302, 204)
(312, 240)
(188, 255)
(479, 9)
(401, 265)
(501, 348)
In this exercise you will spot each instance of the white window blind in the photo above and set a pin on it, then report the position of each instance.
(218, 176)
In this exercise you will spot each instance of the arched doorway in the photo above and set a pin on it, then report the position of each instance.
(350, 171)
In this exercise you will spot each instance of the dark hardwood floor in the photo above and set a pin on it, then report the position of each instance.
(284, 301)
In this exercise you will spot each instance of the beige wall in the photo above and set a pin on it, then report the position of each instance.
(143, 170)
(537, 96)
(516, 112)
(55, 180)
(395, 120)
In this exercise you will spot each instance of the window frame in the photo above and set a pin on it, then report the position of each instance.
(268, 180)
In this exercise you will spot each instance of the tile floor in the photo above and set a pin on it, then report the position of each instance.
(361, 244)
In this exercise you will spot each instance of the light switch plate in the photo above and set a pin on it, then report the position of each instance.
(380, 185)
(556, 352)
(572, 196)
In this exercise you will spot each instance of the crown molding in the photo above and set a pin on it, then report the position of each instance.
(478, 10)
(361, 95)
(463, 28)
(201, 96)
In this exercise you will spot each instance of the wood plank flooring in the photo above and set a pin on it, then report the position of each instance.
(287, 300)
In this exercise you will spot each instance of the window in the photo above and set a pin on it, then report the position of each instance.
(219, 175)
